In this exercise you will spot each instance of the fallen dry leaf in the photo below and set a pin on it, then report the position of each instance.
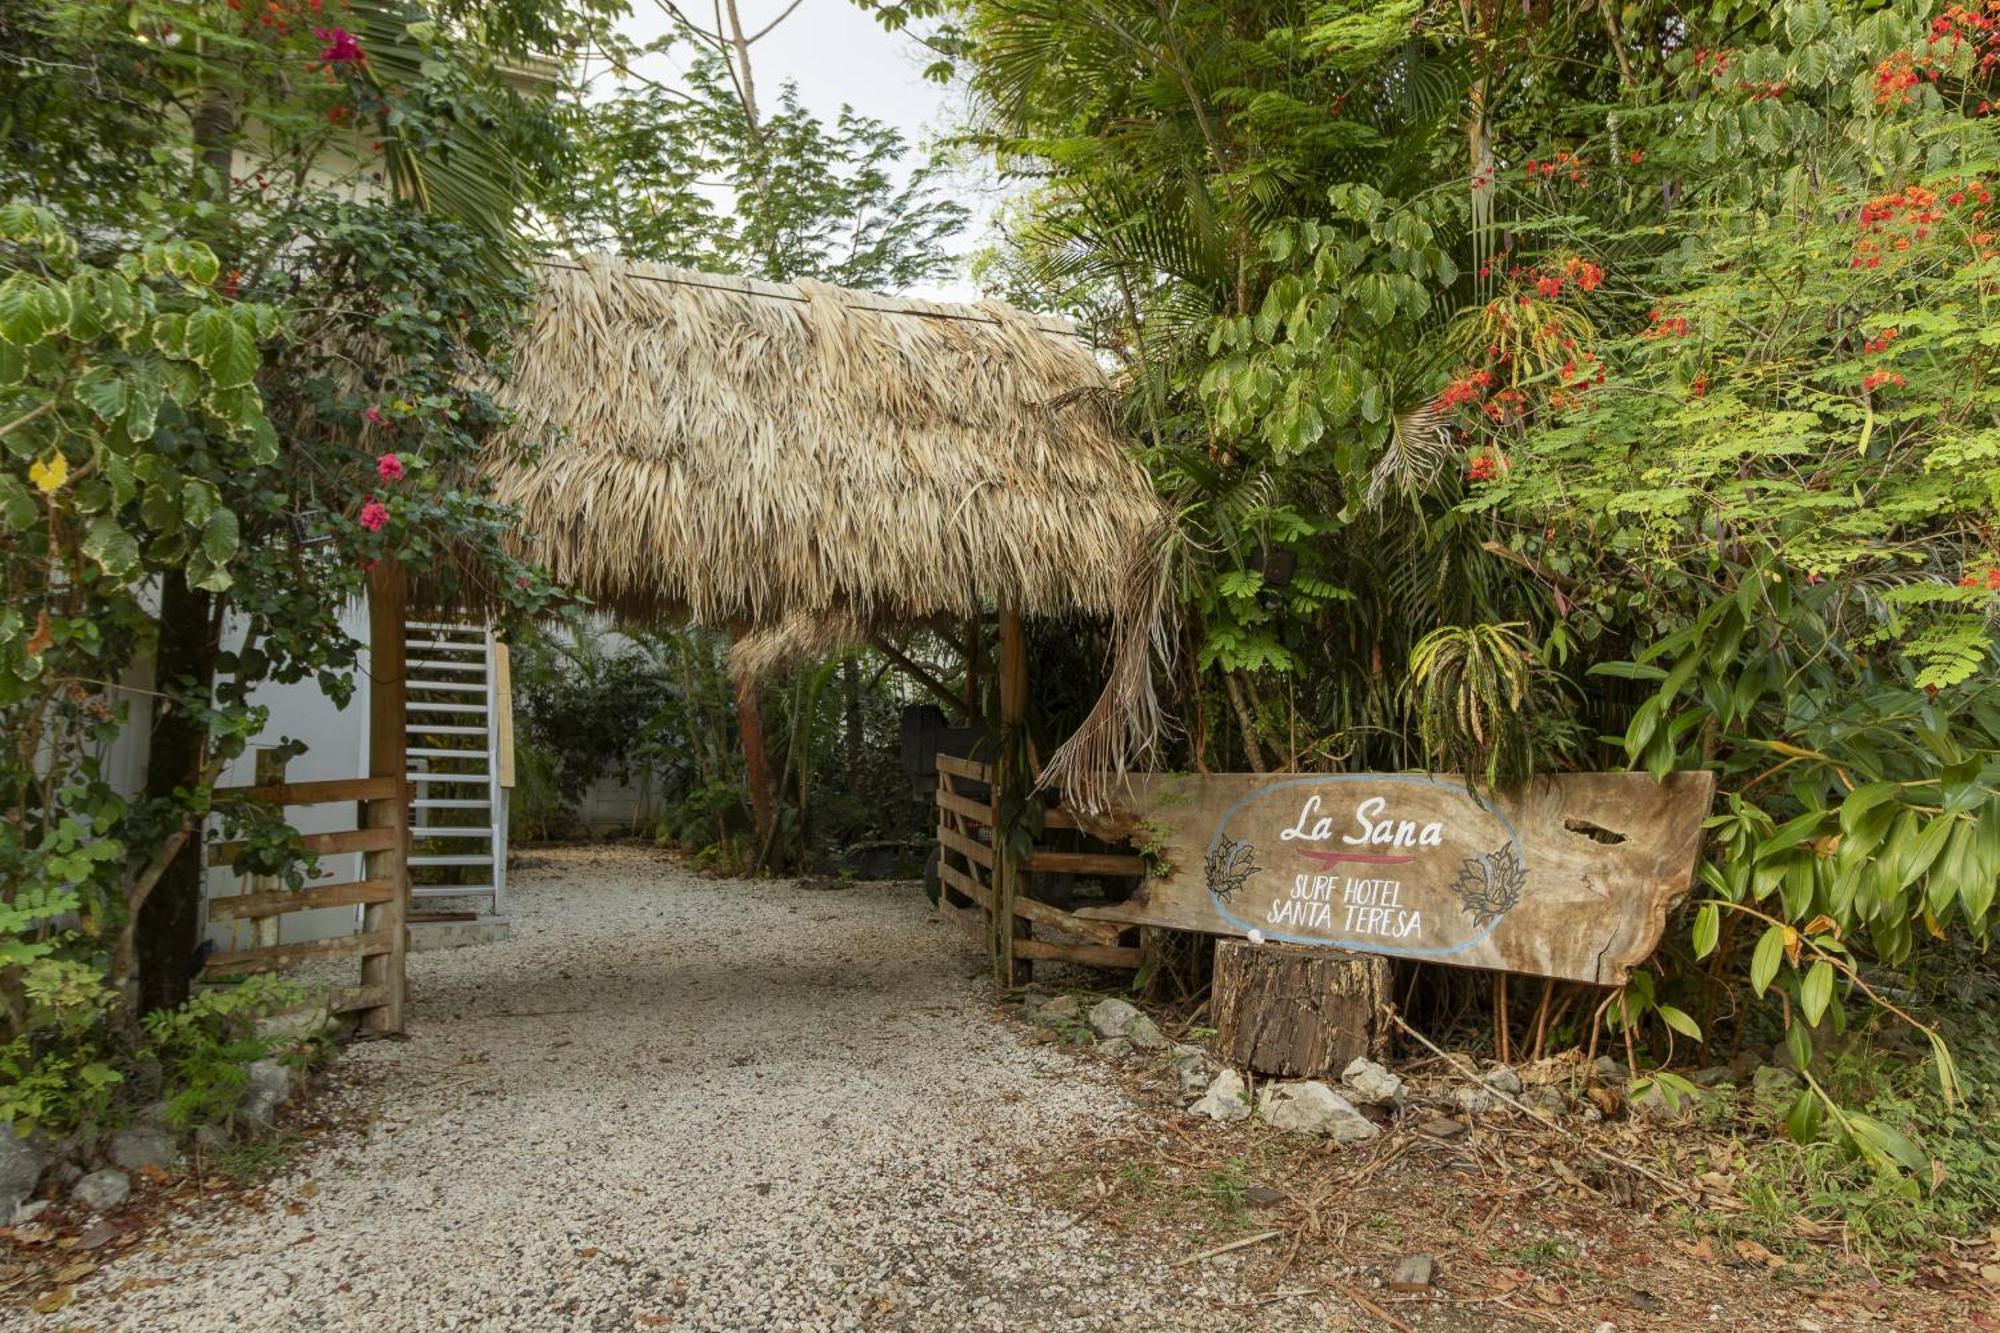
(82, 1269)
(1991, 1272)
(309, 1189)
(54, 1301)
(1751, 1252)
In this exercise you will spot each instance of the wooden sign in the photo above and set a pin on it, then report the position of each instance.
(1570, 875)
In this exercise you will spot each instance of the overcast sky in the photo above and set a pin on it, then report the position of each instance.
(839, 55)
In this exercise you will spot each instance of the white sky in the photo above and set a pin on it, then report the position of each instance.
(839, 55)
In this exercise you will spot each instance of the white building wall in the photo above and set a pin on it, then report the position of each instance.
(338, 748)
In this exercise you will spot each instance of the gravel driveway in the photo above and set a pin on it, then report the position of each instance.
(671, 1102)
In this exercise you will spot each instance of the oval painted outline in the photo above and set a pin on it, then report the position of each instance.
(1395, 950)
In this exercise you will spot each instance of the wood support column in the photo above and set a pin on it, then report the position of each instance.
(1011, 781)
(388, 597)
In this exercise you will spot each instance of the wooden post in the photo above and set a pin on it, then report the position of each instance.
(387, 601)
(756, 766)
(264, 929)
(1297, 1011)
(1009, 778)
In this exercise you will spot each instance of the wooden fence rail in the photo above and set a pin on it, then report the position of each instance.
(967, 864)
(382, 835)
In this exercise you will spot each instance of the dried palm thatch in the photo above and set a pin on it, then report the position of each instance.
(736, 452)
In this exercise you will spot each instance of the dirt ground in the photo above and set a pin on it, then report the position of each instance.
(685, 1103)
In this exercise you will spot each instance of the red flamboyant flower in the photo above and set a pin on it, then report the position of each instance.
(1879, 378)
(389, 467)
(374, 515)
(1483, 468)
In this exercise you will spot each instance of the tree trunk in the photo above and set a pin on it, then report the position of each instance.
(184, 669)
(1295, 1011)
(850, 687)
(756, 764)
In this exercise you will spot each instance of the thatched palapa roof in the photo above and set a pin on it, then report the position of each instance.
(733, 450)
(746, 453)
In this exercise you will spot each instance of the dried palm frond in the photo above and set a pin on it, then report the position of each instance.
(1420, 448)
(1126, 724)
(797, 636)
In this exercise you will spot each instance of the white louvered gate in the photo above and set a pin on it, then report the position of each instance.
(458, 830)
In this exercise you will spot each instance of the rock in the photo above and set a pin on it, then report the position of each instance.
(211, 1138)
(1712, 1077)
(270, 1086)
(101, 1191)
(302, 1023)
(1413, 1272)
(270, 1078)
(1110, 1018)
(1505, 1079)
(1116, 1047)
(1311, 1107)
(1370, 1084)
(1191, 1065)
(1225, 1100)
(142, 1147)
(1261, 1196)
(1545, 1097)
(1610, 1070)
(1062, 1009)
(21, 1164)
(1144, 1035)
(1473, 1101)
(28, 1212)
(1442, 1127)
(1770, 1079)
(1657, 1104)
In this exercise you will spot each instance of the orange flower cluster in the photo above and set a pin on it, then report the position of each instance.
(1977, 24)
(1568, 165)
(1895, 77)
(1713, 63)
(1989, 579)
(1662, 325)
(1879, 342)
(1485, 466)
(1894, 223)
(278, 16)
(1465, 389)
(1877, 379)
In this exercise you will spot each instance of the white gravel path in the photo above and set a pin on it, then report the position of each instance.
(671, 1102)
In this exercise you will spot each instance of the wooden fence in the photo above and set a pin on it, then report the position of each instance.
(969, 867)
(381, 834)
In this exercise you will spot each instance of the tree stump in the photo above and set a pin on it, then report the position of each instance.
(1296, 1011)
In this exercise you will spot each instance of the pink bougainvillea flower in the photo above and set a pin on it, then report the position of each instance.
(374, 514)
(341, 46)
(389, 467)
(373, 416)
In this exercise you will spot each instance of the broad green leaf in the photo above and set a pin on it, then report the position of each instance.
(1707, 928)
(1764, 960)
(1815, 991)
(219, 536)
(115, 550)
(1679, 1021)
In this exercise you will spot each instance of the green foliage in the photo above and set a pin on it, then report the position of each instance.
(807, 199)
(1619, 374)
(230, 368)
(205, 1046)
